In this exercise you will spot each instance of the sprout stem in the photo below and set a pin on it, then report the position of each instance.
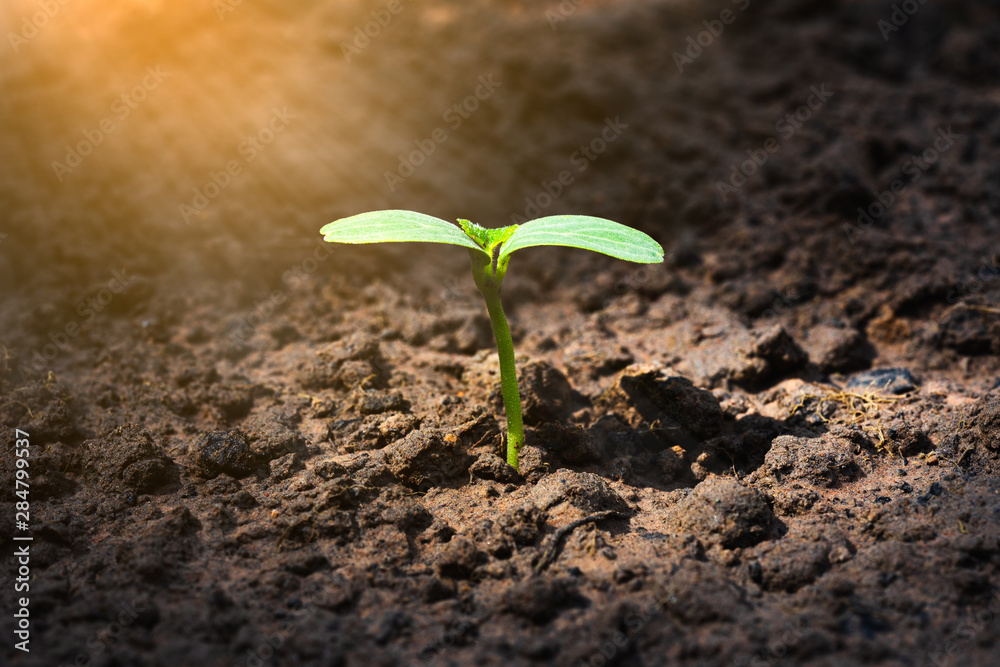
(489, 285)
(508, 378)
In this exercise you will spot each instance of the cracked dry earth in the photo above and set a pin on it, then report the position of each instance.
(780, 447)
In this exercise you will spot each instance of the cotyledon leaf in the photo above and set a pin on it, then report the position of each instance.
(395, 227)
(587, 232)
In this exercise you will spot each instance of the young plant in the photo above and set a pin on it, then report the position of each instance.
(490, 251)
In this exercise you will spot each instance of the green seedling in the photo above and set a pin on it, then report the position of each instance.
(490, 251)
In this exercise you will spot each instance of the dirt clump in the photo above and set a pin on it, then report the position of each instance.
(128, 459)
(823, 461)
(721, 511)
(425, 458)
(584, 493)
(225, 452)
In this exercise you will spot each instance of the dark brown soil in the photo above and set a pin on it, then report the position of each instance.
(780, 447)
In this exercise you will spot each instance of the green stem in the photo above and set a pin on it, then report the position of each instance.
(489, 285)
(508, 378)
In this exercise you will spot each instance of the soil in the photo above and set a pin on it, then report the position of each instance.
(247, 447)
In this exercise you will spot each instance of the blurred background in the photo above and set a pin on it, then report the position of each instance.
(205, 143)
(120, 120)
